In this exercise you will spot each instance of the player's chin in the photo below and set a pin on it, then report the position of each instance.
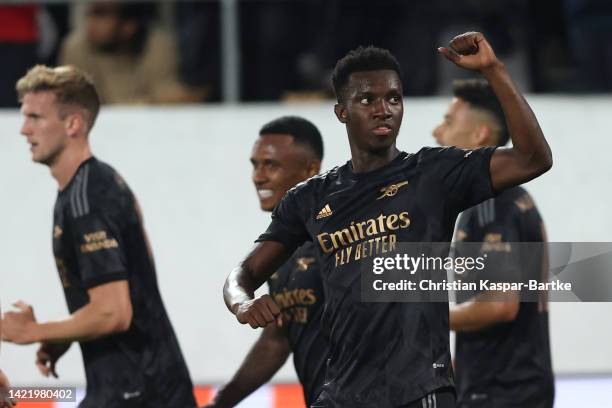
(382, 142)
(37, 158)
(267, 204)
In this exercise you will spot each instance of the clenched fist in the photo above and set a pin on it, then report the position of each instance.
(471, 51)
(259, 312)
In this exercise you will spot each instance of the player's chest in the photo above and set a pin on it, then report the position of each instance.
(63, 250)
(402, 206)
(297, 285)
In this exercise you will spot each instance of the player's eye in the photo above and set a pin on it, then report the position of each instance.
(395, 100)
(365, 101)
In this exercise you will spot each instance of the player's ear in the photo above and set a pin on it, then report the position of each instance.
(75, 123)
(340, 111)
(483, 135)
(314, 167)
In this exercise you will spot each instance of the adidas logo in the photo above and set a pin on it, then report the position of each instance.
(325, 212)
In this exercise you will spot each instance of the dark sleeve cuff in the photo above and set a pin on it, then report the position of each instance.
(106, 278)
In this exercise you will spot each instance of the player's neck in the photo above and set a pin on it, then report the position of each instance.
(364, 161)
(67, 164)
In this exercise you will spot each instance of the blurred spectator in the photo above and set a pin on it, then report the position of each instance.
(130, 60)
(18, 44)
(58, 27)
(590, 32)
(272, 35)
(550, 65)
(199, 44)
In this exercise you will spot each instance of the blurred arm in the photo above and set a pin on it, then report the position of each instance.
(486, 309)
(265, 358)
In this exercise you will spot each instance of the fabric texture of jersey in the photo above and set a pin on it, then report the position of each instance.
(98, 237)
(382, 354)
(297, 289)
(507, 364)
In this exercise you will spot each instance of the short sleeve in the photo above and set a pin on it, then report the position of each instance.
(99, 248)
(502, 253)
(288, 224)
(499, 246)
(465, 175)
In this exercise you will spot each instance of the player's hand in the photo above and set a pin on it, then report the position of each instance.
(471, 51)
(47, 356)
(5, 401)
(259, 312)
(19, 326)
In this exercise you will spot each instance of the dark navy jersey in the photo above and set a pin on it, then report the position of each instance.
(381, 354)
(297, 289)
(507, 364)
(98, 237)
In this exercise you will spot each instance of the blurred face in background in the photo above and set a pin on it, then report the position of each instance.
(105, 29)
(460, 127)
(278, 165)
(43, 126)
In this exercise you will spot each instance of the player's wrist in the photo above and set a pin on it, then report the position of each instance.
(36, 333)
(494, 69)
(235, 308)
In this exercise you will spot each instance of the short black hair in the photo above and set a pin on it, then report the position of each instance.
(359, 60)
(304, 132)
(479, 94)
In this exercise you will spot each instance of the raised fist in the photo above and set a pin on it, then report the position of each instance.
(471, 51)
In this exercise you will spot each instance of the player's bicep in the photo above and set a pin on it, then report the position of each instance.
(509, 169)
(113, 300)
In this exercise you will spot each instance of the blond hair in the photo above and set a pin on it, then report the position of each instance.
(70, 86)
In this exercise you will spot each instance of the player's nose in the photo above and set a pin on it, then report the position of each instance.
(25, 129)
(382, 110)
(259, 176)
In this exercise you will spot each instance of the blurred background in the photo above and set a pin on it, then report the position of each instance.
(279, 50)
(189, 84)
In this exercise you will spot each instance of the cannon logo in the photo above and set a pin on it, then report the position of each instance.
(304, 262)
(391, 190)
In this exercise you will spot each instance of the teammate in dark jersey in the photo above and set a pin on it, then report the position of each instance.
(289, 150)
(502, 345)
(131, 355)
(386, 354)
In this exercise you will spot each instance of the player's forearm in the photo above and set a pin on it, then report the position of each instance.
(265, 358)
(527, 137)
(482, 312)
(238, 288)
(88, 323)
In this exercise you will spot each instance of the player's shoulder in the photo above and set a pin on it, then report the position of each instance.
(516, 199)
(307, 250)
(96, 186)
(435, 154)
(318, 185)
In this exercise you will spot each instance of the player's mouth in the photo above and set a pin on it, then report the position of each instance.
(382, 130)
(265, 193)
(33, 146)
